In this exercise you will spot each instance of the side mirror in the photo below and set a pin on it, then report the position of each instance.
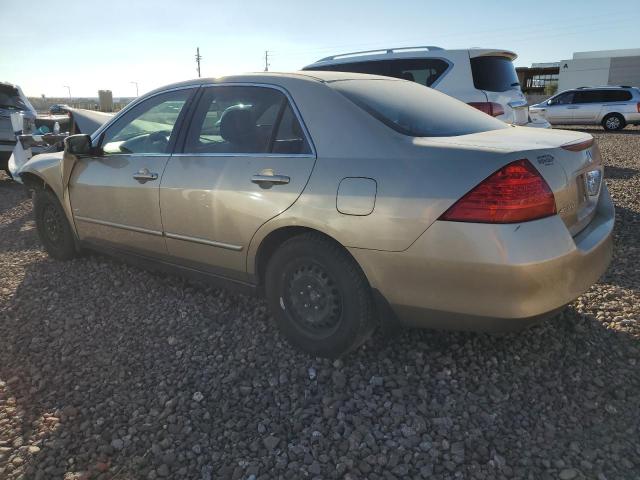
(550, 102)
(79, 145)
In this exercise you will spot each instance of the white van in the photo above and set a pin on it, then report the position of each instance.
(484, 78)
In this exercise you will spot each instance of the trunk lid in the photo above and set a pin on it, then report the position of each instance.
(569, 173)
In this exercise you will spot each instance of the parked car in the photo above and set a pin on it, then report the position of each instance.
(12, 100)
(612, 107)
(59, 108)
(484, 78)
(345, 198)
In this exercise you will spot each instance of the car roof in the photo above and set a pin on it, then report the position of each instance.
(274, 78)
(605, 87)
(407, 52)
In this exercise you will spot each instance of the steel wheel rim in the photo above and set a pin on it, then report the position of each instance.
(312, 299)
(53, 225)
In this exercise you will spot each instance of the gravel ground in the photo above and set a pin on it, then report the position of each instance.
(108, 371)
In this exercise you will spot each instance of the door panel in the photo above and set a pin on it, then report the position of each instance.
(109, 206)
(211, 206)
(115, 195)
(561, 109)
(212, 202)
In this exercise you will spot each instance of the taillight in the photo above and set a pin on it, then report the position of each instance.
(579, 146)
(515, 193)
(638, 107)
(490, 108)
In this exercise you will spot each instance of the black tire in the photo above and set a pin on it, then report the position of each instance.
(52, 225)
(312, 272)
(613, 122)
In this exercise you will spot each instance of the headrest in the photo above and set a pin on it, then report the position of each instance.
(407, 76)
(237, 124)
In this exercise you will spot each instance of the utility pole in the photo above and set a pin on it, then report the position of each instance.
(198, 58)
(136, 84)
(266, 60)
(69, 89)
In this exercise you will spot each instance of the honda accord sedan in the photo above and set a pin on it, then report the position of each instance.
(345, 199)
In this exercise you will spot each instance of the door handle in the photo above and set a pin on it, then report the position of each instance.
(144, 175)
(267, 181)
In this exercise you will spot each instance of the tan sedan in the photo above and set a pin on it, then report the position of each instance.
(346, 199)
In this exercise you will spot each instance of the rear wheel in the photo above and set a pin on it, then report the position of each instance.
(319, 296)
(52, 225)
(613, 122)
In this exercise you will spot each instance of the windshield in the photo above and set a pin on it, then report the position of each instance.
(415, 110)
(494, 74)
(10, 98)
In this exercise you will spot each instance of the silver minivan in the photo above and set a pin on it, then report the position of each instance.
(612, 107)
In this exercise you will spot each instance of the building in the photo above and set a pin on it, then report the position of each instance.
(539, 79)
(604, 67)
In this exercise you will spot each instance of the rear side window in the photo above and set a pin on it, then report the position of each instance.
(380, 67)
(424, 71)
(239, 119)
(601, 96)
(415, 111)
(494, 74)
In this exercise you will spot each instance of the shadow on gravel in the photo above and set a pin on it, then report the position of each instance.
(623, 271)
(619, 173)
(134, 375)
(599, 130)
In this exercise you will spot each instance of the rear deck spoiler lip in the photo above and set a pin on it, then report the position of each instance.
(489, 52)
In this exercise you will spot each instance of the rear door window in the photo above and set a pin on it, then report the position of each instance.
(245, 120)
(494, 74)
(10, 98)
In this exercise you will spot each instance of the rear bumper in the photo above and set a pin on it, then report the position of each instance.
(466, 276)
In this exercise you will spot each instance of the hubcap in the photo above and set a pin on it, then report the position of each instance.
(52, 224)
(312, 299)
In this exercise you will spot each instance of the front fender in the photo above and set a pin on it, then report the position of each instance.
(54, 169)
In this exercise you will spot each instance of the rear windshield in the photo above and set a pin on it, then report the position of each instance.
(494, 74)
(10, 98)
(414, 110)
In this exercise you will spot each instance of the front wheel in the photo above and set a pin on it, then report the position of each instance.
(613, 122)
(319, 296)
(52, 225)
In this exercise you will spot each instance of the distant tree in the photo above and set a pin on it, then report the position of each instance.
(551, 88)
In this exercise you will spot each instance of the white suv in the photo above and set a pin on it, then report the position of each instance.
(483, 78)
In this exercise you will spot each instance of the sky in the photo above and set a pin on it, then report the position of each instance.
(90, 45)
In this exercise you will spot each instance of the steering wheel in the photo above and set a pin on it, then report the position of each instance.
(157, 142)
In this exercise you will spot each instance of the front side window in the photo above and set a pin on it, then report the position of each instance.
(147, 127)
(245, 119)
(562, 99)
(415, 111)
